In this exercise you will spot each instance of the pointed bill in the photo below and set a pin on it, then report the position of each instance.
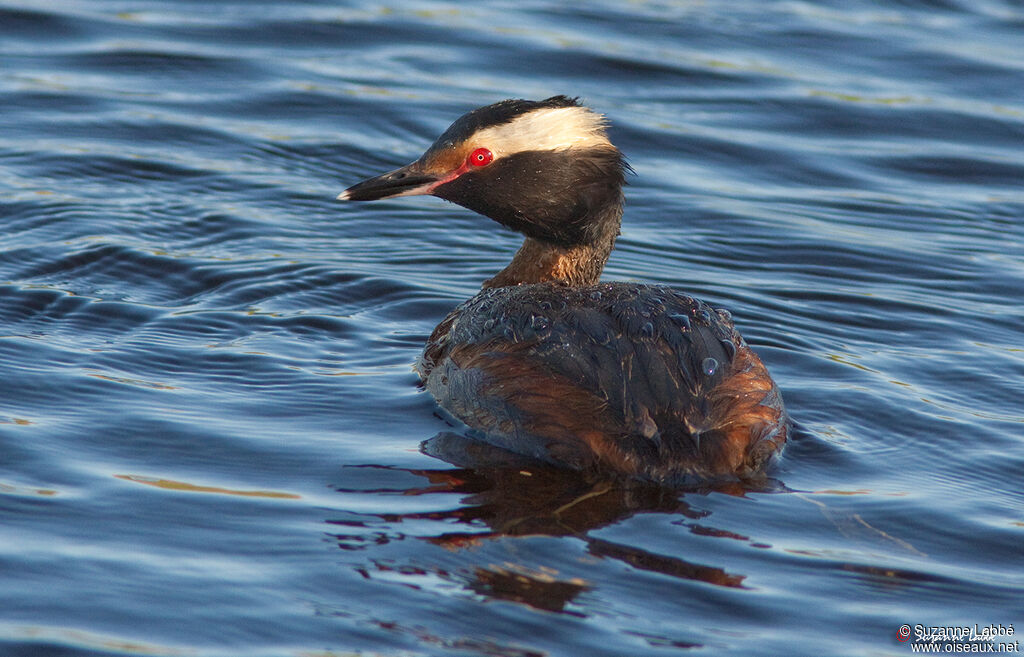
(410, 180)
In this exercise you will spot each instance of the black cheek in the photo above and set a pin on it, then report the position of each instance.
(520, 200)
(547, 195)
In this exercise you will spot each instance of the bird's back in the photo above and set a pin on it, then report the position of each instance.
(640, 379)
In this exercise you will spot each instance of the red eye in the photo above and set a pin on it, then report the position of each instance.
(481, 157)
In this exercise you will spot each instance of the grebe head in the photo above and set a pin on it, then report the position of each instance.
(543, 168)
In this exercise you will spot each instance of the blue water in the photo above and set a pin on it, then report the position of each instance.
(209, 424)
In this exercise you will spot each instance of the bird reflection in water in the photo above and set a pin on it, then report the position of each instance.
(505, 495)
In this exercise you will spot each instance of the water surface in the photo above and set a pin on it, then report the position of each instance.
(209, 424)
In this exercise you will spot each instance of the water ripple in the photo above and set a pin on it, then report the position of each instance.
(210, 424)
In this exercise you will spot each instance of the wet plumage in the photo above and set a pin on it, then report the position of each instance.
(546, 361)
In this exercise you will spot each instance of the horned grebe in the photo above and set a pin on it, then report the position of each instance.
(546, 361)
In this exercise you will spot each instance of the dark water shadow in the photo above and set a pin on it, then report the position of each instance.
(506, 495)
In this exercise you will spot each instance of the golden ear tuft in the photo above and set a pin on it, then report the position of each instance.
(549, 128)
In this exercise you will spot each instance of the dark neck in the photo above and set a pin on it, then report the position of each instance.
(538, 261)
